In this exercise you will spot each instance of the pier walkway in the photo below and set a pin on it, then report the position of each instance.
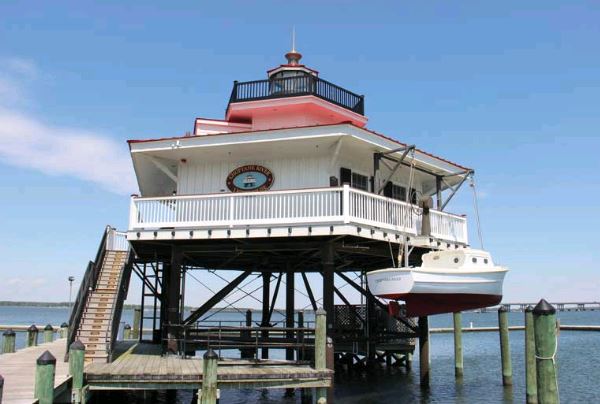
(141, 366)
(18, 370)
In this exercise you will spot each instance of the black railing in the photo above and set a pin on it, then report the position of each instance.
(297, 86)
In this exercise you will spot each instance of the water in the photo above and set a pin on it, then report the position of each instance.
(578, 362)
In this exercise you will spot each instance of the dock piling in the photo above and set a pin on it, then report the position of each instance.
(126, 332)
(137, 319)
(505, 346)
(530, 368)
(1, 387)
(76, 364)
(64, 330)
(32, 335)
(44, 378)
(424, 351)
(546, 346)
(48, 333)
(321, 350)
(458, 351)
(208, 394)
(8, 345)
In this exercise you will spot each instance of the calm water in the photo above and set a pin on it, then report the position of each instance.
(578, 361)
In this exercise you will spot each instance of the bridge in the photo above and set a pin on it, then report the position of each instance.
(560, 306)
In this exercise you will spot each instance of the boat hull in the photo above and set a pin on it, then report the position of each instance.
(436, 292)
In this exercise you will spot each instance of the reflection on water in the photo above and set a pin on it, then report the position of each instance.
(578, 361)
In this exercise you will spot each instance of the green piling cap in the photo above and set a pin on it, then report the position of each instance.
(544, 308)
(210, 354)
(77, 346)
(529, 309)
(320, 312)
(502, 309)
(127, 327)
(9, 333)
(46, 359)
(32, 328)
(64, 325)
(48, 327)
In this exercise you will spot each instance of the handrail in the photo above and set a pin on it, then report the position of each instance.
(90, 278)
(297, 86)
(117, 306)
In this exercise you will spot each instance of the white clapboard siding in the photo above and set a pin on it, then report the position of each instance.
(291, 173)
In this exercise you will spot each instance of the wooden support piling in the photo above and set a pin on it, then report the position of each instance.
(76, 365)
(208, 395)
(126, 332)
(300, 355)
(247, 353)
(458, 350)
(64, 330)
(321, 350)
(530, 368)
(504, 346)
(44, 378)
(330, 363)
(265, 322)
(32, 335)
(48, 333)
(1, 387)
(9, 340)
(289, 308)
(546, 346)
(424, 351)
(137, 318)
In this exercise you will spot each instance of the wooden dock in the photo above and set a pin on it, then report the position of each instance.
(141, 366)
(18, 370)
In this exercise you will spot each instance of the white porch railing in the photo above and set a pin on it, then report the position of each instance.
(447, 226)
(307, 206)
(116, 240)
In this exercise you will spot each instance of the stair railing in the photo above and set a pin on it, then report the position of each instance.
(117, 305)
(90, 278)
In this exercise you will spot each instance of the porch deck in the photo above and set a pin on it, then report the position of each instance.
(306, 212)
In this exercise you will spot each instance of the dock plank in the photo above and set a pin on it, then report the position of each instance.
(144, 367)
(18, 370)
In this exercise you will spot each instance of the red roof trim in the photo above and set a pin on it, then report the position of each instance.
(298, 127)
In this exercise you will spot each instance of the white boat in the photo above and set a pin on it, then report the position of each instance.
(446, 282)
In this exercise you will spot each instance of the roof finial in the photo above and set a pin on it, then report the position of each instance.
(293, 57)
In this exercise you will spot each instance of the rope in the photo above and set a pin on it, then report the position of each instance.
(476, 207)
(553, 359)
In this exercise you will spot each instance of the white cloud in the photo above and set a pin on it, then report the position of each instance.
(28, 142)
(21, 66)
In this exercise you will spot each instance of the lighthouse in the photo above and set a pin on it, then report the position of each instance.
(289, 185)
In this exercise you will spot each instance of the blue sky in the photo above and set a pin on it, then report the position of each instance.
(509, 88)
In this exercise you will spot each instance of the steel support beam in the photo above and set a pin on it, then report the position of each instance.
(210, 303)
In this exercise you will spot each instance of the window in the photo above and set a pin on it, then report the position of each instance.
(398, 192)
(474, 260)
(360, 181)
(485, 260)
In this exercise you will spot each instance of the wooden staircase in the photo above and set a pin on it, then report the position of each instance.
(97, 319)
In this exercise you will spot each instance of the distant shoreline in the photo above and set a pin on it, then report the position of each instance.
(6, 303)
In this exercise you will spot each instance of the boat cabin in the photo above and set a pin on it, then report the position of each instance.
(461, 258)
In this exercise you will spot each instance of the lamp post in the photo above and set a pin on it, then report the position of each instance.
(71, 279)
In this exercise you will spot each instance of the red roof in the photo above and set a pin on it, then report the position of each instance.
(308, 126)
